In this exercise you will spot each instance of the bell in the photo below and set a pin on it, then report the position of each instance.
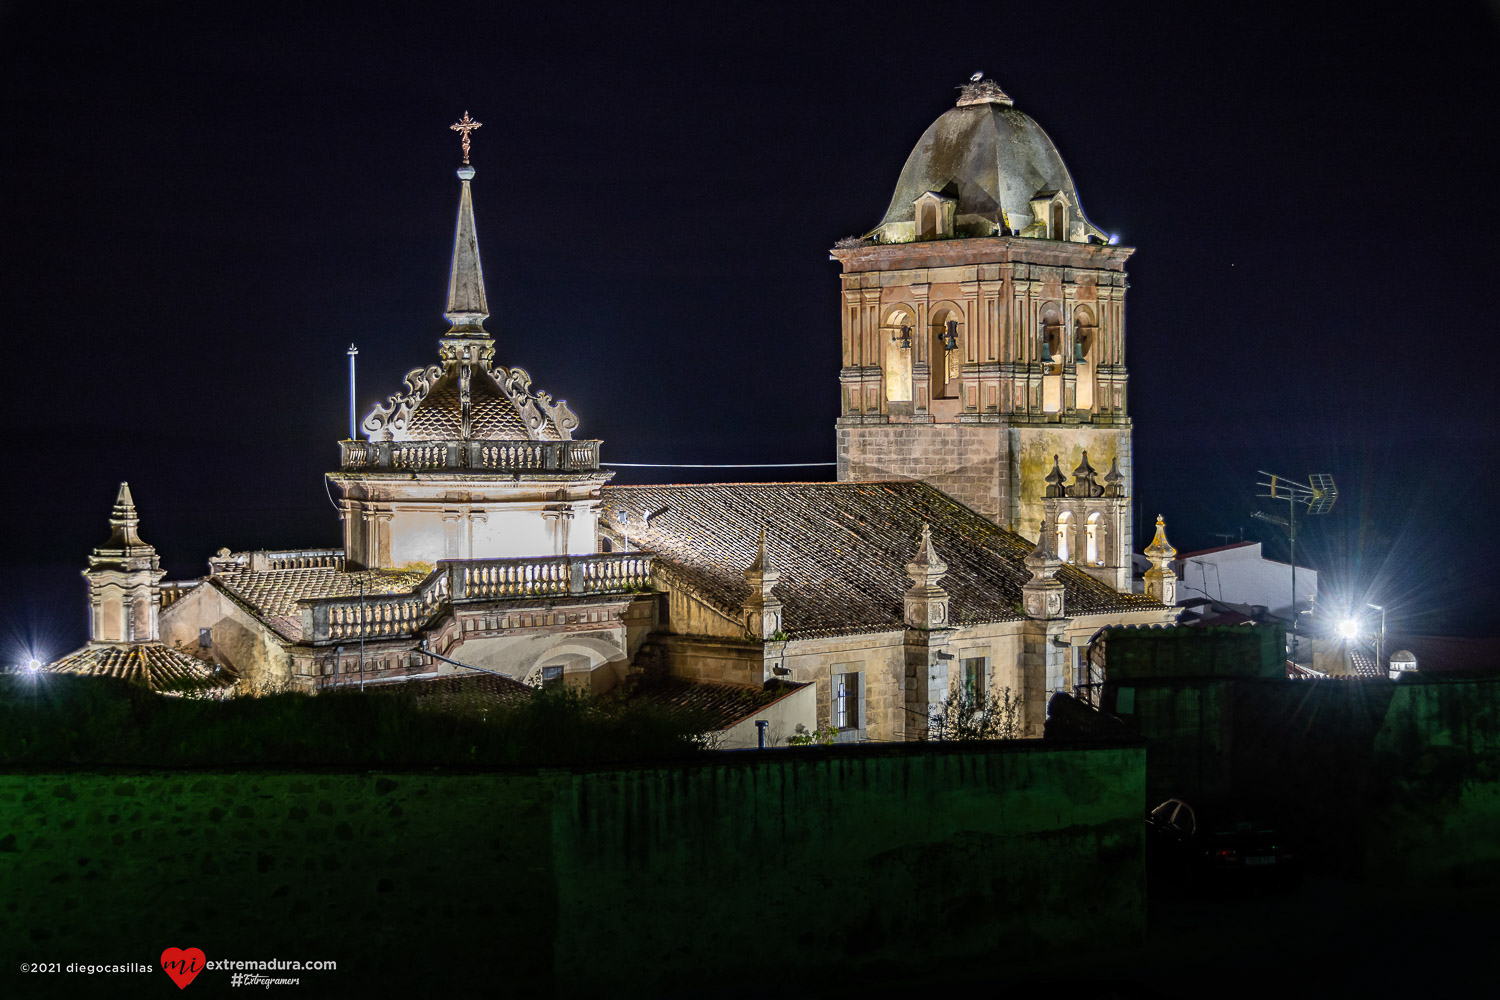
(1078, 358)
(950, 337)
(906, 338)
(1047, 357)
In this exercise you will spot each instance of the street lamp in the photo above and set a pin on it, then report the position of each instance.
(1379, 639)
(1349, 628)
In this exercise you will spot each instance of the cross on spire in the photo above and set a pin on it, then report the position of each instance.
(463, 127)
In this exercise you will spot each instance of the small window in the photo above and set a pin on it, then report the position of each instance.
(975, 673)
(1058, 233)
(205, 638)
(552, 676)
(1094, 530)
(848, 701)
(1065, 536)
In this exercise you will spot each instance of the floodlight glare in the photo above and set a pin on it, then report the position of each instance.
(1348, 628)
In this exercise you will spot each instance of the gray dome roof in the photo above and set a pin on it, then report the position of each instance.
(993, 160)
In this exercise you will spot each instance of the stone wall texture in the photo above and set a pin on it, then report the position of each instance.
(791, 868)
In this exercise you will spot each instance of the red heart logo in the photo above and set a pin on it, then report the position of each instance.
(183, 965)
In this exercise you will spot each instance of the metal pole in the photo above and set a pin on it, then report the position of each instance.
(1379, 639)
(352, 352)
(1291, 534)
(362, 627)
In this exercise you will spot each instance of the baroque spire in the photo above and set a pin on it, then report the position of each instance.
(467, 306)
(124, 522)
(1161, 582)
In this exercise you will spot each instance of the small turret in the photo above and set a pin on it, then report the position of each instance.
(1161, 582)
(124, 575)
(762, 610)
(1043, 593)
(926, 604)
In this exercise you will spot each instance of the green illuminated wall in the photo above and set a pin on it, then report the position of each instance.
(770, 866)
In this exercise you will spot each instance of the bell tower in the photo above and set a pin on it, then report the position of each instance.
(984, 330)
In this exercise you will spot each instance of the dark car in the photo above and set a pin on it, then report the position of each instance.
(1215, 845)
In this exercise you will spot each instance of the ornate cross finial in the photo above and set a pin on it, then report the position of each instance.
(463, 127)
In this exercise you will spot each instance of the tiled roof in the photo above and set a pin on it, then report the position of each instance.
(463, 691)
(842, 550)
(272, 595)
(150, 664)
(713, 706)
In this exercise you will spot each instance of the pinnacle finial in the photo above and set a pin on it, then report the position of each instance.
(762, 563)
(124, 523)
(467, 306)
(463, 127)
(1160, 549)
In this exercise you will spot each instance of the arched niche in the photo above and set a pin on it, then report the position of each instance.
(1065, 525)
(1085, 354)
(900, 326)
(945, 365)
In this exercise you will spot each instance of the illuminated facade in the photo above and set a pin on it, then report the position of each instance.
(983, 349)
(984, 336)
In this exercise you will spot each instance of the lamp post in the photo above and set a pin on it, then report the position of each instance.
(1379, 639)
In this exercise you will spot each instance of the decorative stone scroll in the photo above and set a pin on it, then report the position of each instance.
(389, 418)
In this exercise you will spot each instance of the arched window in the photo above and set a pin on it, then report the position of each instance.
(1094, 540)
(1065, 536)
(1058, 218)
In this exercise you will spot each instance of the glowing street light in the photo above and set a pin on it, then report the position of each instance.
(1349, 628)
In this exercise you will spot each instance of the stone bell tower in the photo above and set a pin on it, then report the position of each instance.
(984, 324)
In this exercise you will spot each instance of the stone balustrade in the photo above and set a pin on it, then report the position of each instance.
(265, 561)
(387, 616)
(476, 456)
(172, 590)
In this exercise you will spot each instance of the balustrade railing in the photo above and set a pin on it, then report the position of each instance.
(173, 590)
(386, 616)
(266, 561)
(487, 456)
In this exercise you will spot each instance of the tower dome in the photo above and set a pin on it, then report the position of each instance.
(985, 169)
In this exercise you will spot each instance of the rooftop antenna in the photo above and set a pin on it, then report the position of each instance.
(1317, 496)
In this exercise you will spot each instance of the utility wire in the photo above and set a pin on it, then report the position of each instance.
(746, 465)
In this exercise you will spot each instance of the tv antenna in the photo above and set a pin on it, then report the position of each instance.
(1317, 496)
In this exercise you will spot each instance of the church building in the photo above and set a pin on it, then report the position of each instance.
(983, 355)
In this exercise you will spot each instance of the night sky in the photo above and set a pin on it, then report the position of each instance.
(203, 209)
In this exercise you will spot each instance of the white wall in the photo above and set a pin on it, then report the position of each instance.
(1242, 575)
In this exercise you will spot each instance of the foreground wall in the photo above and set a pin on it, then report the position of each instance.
(1398, 781)
(785, 868)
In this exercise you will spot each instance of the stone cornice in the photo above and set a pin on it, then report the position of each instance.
(981, 250)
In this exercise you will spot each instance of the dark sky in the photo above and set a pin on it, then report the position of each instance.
(203, 208)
